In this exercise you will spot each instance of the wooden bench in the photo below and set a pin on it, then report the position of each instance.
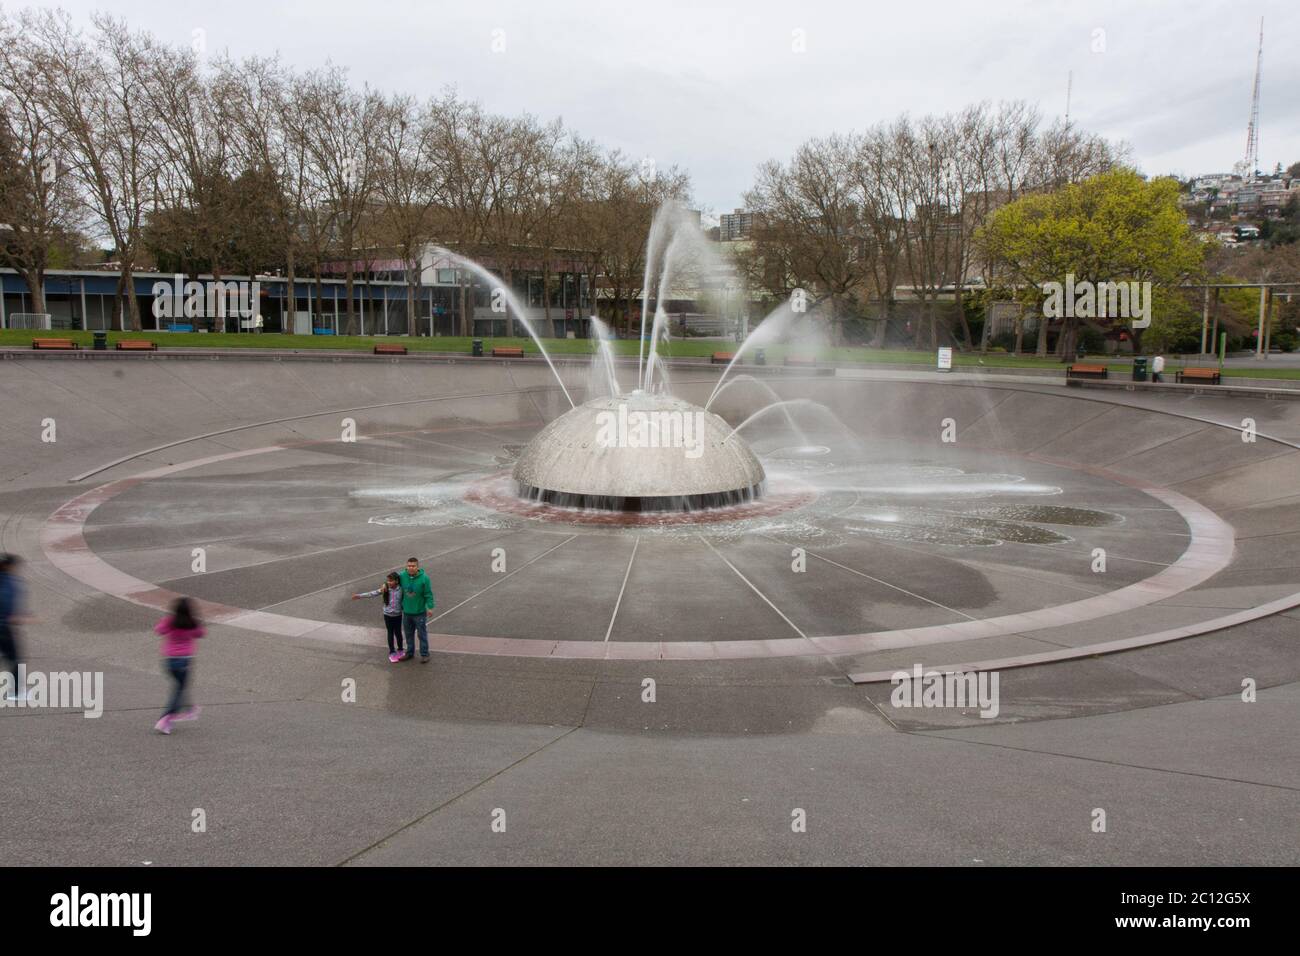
(721, 358)
(136, 345)
(507, 352)
(1079, 370)
(390, 349)
(1210, 375)
(64, 344)
(800, 360)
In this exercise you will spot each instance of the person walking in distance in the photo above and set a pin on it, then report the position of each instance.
(180, 632)
(417, 608)
(1158, 369)
(11, 615)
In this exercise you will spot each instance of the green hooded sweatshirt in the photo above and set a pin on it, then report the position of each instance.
(417, 592)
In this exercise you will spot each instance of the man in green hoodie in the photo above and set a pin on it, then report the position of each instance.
(417, 608)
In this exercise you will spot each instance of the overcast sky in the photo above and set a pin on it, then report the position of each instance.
(719, 87)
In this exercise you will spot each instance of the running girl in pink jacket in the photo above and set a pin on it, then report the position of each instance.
(180, 632)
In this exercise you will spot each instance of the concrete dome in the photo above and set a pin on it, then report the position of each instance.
(639, 452)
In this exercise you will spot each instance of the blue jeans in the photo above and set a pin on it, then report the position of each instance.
(413, 624)
(179, 669)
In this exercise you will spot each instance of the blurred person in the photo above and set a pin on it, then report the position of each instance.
(180, 631)
(11, 615)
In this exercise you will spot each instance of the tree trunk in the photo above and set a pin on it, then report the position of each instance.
(965, 325)
(546, 294)
(350, 290)
(132, 303)
(882, 325)
(510, 315)
(1041, 350)
(1065, 343)
(413, 278)
(35, 279)
(116, 317)
(291, 297)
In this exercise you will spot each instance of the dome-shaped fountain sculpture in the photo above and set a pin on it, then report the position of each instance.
(639, 452)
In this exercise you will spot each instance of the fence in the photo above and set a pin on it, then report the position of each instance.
(30, 320)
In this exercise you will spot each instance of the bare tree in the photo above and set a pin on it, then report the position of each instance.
(809, 218)
(261, 110)
(38, 201)
(408, 183)
(337, 126)
(882, 220)
(97, 93)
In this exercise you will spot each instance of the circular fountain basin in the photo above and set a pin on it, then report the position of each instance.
(639, 452)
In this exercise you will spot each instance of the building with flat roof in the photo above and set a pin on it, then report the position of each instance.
(735, 225)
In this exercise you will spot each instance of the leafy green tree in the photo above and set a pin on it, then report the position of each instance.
(1113, 227)
(1175, 323)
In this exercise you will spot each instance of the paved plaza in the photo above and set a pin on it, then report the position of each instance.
(648, 690)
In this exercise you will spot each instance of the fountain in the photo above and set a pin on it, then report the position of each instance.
(638, 452)
(508, 297)
(646, 450)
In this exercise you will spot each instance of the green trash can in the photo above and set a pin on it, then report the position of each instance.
(1140, 369)
(476, 348)
(100, 340)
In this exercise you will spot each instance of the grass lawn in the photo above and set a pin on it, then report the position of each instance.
(680, 348)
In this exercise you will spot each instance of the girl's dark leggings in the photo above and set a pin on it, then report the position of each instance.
(179, 669)
(394, 625)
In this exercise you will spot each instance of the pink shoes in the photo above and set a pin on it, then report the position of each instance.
(164, 725)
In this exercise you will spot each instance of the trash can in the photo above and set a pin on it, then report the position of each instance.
(101, 340)
(1080, 354)
(1140, 369)
(760, 356)
(477, 348)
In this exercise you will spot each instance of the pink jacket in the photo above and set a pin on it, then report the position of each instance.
(176, 642)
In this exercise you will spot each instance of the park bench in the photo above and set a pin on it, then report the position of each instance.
(64, 344)
(507, 352)
(1210, 375)
(800, 360)
(136, 345)
(1080, 370)
(390, 349)
(721, 358)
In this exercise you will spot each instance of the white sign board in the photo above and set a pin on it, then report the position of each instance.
(945, 360)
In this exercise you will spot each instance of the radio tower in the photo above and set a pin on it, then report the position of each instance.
(1252, 131)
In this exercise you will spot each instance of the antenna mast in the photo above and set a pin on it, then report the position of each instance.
(1252, 131)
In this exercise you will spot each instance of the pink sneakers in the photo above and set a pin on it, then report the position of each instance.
(189, 713)
(164, 725)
